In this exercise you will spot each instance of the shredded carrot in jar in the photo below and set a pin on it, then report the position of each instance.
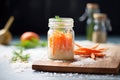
(60, 41)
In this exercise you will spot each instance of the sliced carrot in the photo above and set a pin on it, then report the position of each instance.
(78, 52)
(92, 55)
(95, 46)
(99, 54)
(77, 45)
(60, 41)
(103, 49)
(89, 49)
(92, 52)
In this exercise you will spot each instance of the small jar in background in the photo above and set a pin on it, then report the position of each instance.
(61, 39)
(91, 8)
(100, 28)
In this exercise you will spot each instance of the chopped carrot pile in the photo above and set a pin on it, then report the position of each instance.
(92, 52)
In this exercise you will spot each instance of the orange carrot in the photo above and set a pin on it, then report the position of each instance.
(60, 41)
(95, 46)
(99, 54)
(77, 45)
(92, 55)
(79, 52)
(92, 52)
(103, 49)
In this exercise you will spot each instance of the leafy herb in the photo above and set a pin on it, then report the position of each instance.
(32, 43)
(60, 24)
(58, 18)
(19, 56)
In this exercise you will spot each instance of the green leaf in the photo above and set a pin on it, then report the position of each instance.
(25, 57)
(14, 58)
(58, 18)
(32, 43)
(18, 55)
(61, 24)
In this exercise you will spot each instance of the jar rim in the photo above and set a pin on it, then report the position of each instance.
(62, 22)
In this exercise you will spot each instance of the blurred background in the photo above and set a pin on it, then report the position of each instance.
(33, 15)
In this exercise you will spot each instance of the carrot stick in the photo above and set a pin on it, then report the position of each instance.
(77, 45)
(99, 54)
(103, 49)
(92, 56)
(90, 50)
(95, 46)
(78, 52)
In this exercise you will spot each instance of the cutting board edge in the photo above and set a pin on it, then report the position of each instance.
(76, 69)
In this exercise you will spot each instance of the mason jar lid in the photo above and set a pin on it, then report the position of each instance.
(92, 6)
(62, 22)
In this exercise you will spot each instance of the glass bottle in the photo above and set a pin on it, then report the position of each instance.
(61, 39)
(91, 8)
(100, 28)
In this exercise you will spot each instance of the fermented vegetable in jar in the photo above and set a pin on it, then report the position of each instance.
(60, 38)
(100, 29)
(91, 8)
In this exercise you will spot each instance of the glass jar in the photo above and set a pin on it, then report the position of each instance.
(91, 8)
(61, 39)
(100, 29)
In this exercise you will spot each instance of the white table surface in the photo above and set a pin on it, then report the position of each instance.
(8, 71)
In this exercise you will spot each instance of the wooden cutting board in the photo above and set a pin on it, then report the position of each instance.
(108, 65)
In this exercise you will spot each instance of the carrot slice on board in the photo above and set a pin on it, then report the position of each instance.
(99, 54)
(77, 45)
(92, 52)
(78, 52)
(95, 46)
(93, 56)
